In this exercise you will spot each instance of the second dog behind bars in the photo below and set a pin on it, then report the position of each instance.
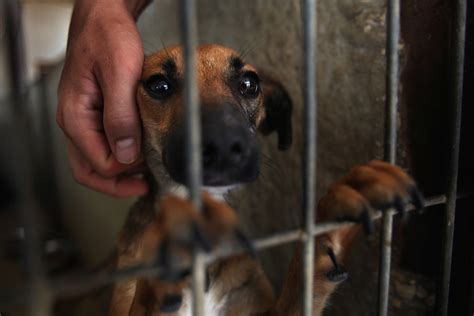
(237, 102)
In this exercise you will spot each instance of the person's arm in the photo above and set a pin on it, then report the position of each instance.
(136, 7)
(97, 108)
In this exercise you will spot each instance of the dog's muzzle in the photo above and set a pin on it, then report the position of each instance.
(229, 148)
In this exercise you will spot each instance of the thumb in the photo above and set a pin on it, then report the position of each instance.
(121, 118)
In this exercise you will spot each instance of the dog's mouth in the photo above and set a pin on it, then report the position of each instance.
(222, 177)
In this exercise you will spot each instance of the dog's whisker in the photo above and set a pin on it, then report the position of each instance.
(271, 164)
(149, 47)
(250, 47)
(164, 47)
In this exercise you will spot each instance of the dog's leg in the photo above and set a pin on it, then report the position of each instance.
(168, 242)
(356, 197)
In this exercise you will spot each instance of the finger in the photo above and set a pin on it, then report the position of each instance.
(80, 117)
(118, 80)
(116, 186)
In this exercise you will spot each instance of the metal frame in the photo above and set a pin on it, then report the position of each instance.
(39, 292)
(455, 100)
(390, 150)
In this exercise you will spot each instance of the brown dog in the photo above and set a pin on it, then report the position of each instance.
(236, 102)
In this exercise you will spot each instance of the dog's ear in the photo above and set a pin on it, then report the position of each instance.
(278, 108)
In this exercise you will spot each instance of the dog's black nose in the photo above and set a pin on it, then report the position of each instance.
(224, 151)
(229, 149)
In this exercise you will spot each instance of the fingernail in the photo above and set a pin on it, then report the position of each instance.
(126, 150)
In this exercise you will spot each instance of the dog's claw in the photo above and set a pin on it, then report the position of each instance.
(367, 222)
(399, 206)
(208, 282)
(164, 261)
(246, 243)
(163, 255)
(201, 239)
(338, 273)
(171, 303)
(417, 199)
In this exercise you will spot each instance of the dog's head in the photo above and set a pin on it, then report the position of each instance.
(236, 101)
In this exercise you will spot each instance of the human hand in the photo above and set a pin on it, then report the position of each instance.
(97, 107)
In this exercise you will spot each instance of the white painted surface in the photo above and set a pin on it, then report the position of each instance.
(45, 28)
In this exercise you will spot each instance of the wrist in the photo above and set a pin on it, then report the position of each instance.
(133, 7)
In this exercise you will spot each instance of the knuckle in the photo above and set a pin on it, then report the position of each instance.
(126, 64)
(118, 194)
(59, 118)
(114, 122)
(104, 171)
(80, 176)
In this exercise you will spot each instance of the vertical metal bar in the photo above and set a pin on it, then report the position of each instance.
(38, 298)
(392, 81)
(193, 138)
(455, 104)
(309, 154)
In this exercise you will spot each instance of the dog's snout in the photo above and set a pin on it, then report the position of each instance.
(229, 149)
(224, 150)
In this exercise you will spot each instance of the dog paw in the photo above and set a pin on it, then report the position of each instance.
(173, 237)
(179, 229)
(366, 189)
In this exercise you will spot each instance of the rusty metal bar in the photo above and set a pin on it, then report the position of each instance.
(193, 139)
(309, 154)
(455, 104)
(392, 82)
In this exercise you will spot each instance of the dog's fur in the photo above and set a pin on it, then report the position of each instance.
(164, 227)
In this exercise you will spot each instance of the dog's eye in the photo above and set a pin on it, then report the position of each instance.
(249, 86)
(158, 87)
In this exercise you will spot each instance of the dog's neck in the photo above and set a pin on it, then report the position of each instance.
(162, 188)
(161, 184)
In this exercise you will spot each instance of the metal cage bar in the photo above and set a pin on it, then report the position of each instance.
(193, 136)
(309, 154)
(391, 90)
(455, 104)
(70, 286)
(37, 290)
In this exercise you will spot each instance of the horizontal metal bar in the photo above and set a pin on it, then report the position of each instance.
(455, 105)
(71, 286)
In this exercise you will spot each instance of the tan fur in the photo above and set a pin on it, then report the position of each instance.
(239, 278)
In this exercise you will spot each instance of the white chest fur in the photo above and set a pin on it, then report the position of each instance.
(212, 306)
